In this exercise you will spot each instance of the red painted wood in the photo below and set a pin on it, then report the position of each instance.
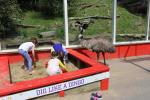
(15, 57)
(27, 85)
(36, 83)
(82, 54)
(4, 72)
(122, 51)
(82, 57)
(62, 93)
(104, 84)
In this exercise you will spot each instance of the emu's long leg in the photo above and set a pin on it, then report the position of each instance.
(98, 56)
(104, 58)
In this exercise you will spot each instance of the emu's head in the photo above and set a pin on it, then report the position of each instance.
(80, 37)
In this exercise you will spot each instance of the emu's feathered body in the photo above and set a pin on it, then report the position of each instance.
(98, 45)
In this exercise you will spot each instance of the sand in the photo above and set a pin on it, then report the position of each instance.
(19, 74)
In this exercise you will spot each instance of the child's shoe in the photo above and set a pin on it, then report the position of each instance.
(31, 72)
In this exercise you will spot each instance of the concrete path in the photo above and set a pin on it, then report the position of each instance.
(129, 80)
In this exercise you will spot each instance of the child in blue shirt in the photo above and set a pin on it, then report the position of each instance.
(61, 51)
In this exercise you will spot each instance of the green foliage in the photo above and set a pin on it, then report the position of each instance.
(129, 23)
(60, 32)
(86, 8)
(51, 8)
(9, 12)
(47, 8)
(72, 7)
(41, 24)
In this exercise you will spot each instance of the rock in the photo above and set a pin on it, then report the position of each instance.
(47, 34)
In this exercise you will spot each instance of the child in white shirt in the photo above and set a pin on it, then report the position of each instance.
(24, 50)
(54, 65)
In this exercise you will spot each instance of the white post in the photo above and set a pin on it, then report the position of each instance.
(66, 22)
(148, 20)
(114, 21)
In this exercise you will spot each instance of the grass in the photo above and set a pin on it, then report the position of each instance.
(127, 23)
(34, 18)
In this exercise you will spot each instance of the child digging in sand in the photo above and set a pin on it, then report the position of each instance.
(24, 50)
(54, 65)
(61, 51)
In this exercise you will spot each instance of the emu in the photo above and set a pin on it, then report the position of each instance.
(98, 45)
(82, 26)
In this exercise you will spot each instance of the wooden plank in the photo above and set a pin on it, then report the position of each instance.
(4, 72)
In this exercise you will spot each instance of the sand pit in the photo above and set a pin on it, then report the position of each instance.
(19, 74)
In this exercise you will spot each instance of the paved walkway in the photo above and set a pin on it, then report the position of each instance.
(129, 80)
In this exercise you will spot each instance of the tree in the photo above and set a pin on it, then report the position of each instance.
(72, 7)
(28, 4)
(48, 8)
(8, 16)
(51, 8)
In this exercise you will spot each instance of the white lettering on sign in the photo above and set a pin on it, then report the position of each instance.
(56, 88)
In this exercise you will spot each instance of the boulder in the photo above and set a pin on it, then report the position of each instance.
(47, 34)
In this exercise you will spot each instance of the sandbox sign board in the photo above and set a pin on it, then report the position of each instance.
(56, 88)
